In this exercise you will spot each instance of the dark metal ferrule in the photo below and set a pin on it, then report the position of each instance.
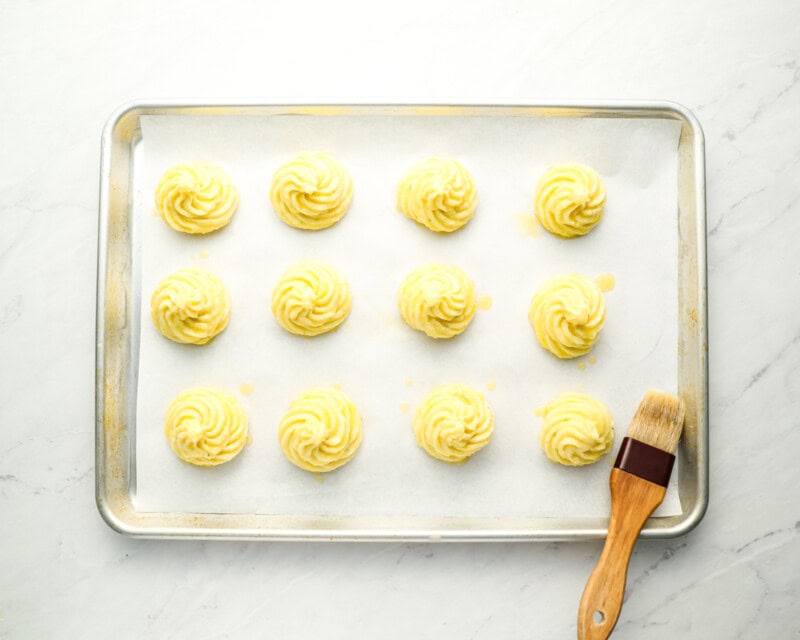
(649, 463)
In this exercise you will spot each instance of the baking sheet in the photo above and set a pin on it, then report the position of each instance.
(374, 356)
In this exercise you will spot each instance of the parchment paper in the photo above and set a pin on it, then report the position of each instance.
(374, 356)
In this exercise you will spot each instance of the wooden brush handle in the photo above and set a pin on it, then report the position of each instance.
(632, 501)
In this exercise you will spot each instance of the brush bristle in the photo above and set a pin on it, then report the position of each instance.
(658, 421)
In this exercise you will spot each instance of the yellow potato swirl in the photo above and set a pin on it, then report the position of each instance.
(311, 298)
(453, 423)
(577, 430)
(191, 306)
(439, 194)
(438, 299)
(205, 427)
(321, 431)
(569, 200)
(197, 197)
(567, 314)
(311, 191)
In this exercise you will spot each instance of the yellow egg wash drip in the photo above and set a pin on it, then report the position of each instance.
(311, 298)
(577, 430)
(321, 431)
(409, 382)
(439, 194)
(528, 225)
(453, 423)
(567, 314)
(582, 366)
(191, 306)
(592, 359)
(437, 299)
(606, 282)
(196, 198)
(246, 389)
(311, 191)
(491, 385)
(692, 315)
(204, 255)
(484, 303)
(205, 427)
(405, 407)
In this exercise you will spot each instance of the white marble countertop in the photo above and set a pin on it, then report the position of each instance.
(65, 66)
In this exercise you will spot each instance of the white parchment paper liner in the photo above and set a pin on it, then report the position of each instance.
(374, 356)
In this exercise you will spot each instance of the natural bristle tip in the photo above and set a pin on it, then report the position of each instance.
(658, 421)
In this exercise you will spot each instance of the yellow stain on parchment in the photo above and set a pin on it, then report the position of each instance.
(606, 281)
(484, 303)
(528, 225)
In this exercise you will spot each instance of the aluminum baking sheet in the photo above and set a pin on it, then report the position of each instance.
(392, 489)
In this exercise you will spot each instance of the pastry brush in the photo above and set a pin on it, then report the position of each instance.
(638, 483)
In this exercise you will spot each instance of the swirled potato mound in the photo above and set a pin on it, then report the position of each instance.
(190, 306)
(569, 200)
(321, 431)
(577, 430)
(567, 314)
(311, 191)
(437, 299)
(196, 197)
(438, 193)
(311, 298)
(205, 427)
(453, 423)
